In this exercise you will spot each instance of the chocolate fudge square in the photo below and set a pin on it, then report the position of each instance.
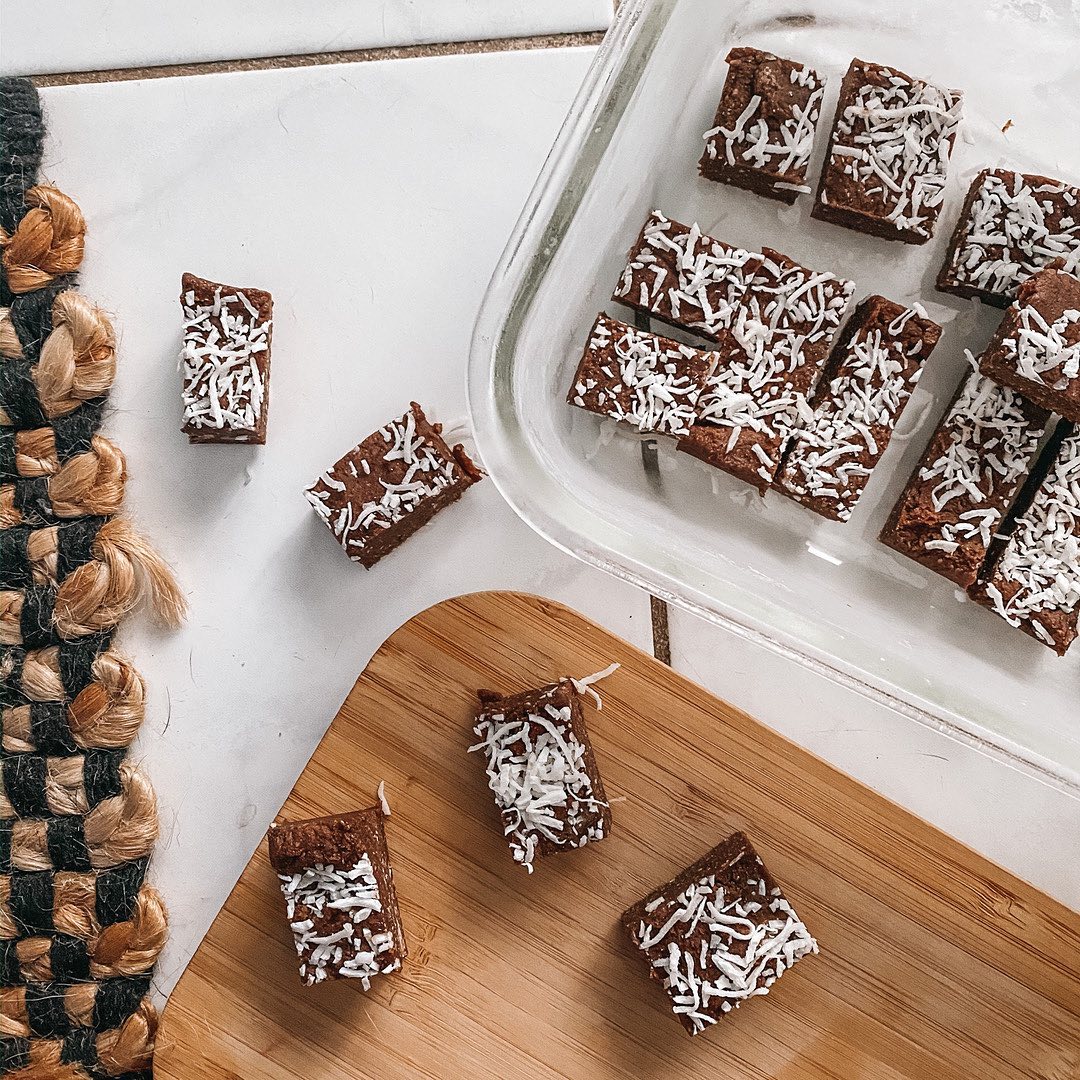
(226, 361)
(677, 274)
(763, 133)
(1033, 578)
(1036, 349)
(717, 935)
(542, 771)
(971, 472)
(770, 362)
(649, 382)
(388, 487)
(1012, 225)
(339, 893)
(867, 384)
(888, 154)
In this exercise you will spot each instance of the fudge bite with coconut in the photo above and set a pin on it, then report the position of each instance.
(388, 487)
(340, 900)
(649, 382)
(717, 935)
(542, 770)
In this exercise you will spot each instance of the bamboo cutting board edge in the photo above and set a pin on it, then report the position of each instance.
(508, 640)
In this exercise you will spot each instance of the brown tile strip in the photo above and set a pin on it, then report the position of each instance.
(352, 56)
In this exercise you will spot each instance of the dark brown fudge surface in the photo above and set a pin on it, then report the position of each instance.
(763, 132)
(867, 385)
(649, 382)
(888, 154)
(705, 913)
(1033, 578)
(1036, 349)
(975, 464)
(226, 361)
(679, 275)
(542, 770)
(770, 362)
(388, 487)
(1012, 225)
(339, 841)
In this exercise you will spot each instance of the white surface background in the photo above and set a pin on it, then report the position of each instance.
(38, 36)
(372, 200)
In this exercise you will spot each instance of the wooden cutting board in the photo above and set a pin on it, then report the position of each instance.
(935, 964)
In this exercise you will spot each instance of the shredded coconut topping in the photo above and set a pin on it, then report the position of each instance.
(427, 474)
(324, 896)
(757, 140)
(1039, 570)
(835, 452)
(1045, 352)
(536, 768)
(709, 945)
(685, 277)
(788, 311)
(223, 341)
(1017, 224)
(991, 445)
(895, 141)
(641, 379)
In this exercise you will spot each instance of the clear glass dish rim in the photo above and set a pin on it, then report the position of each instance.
(522, 480)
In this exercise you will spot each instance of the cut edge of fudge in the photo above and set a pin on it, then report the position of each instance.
(618, 377)
(829, 461)
(756, 886)
(407, 502)
(529, 826)
(996, 196)
(759, 353)
(250, 313)
(886, 223)
(676, 274)
(1029, 338)
(1041, 548)
(728, 142)
(986, 442)
(339, 859)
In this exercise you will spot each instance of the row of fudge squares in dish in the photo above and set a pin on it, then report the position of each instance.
(780, 401)
(885, 169)
(718, 934)
(889, 147)
(994, 503)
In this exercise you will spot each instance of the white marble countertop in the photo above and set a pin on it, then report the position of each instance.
(373, 199)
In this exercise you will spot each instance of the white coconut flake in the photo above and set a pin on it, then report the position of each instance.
(585, 685)
(382, 798)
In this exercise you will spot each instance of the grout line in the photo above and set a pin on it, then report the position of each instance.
(351, 56)
(661, 632)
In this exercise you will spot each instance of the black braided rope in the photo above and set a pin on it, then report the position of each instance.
(31, 894)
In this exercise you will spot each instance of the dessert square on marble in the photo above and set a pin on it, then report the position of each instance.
(388, 487)
(226, 361)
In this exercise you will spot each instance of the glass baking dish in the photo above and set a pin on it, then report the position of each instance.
(826, 594)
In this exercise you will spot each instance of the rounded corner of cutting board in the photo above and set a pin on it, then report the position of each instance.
(892, 900)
